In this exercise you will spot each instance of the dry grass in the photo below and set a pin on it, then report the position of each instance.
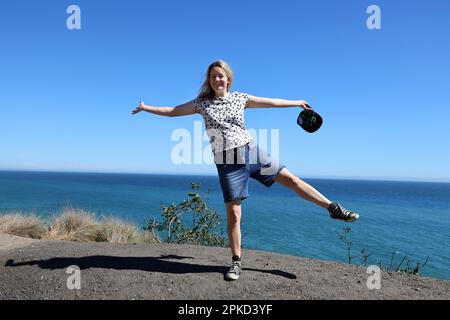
(116, 231)
(28, 226)
(149, 237)
(74, 225)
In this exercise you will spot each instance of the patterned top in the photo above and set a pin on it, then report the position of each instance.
(224, 120)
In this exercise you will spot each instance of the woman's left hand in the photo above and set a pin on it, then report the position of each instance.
(305, 105)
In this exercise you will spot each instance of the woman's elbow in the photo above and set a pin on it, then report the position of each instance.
(172, 112)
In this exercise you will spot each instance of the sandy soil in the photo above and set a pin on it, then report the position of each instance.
(8, 242)
(32, 269)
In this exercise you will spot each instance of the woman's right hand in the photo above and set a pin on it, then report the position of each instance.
(139, 108)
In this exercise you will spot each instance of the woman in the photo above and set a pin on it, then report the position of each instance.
(236, 155)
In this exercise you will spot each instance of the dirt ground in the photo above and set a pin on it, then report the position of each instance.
(34, 269)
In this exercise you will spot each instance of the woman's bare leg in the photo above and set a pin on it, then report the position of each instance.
(234, 226)
(287, 179)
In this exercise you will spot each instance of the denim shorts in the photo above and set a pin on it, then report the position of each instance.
(236, 166)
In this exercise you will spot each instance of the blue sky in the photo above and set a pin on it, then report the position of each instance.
(67, 95)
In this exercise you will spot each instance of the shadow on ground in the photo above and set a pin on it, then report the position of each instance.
(149, 264)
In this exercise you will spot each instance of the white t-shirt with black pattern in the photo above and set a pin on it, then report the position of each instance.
(224, 120)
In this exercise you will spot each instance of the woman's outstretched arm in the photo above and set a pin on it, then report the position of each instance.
(181, 110)
(259, 102)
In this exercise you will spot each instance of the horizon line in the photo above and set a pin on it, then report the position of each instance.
(318, 177)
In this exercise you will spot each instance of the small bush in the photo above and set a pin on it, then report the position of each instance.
(200, 228)
(403, 267)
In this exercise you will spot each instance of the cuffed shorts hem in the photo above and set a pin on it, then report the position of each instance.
(272, 181)
(240, 198)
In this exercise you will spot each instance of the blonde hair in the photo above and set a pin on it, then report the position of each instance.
(206, 92)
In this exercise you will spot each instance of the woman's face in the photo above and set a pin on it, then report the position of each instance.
(218, 81)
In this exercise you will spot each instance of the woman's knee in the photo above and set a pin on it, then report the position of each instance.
(288, 178)
(234, 218)
(294, 179)
(234, 213)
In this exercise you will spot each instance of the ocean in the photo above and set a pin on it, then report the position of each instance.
(404, 218)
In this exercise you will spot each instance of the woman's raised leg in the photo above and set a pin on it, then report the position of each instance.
(287, 179)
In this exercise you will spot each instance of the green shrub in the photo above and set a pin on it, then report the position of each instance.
(190, 222)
